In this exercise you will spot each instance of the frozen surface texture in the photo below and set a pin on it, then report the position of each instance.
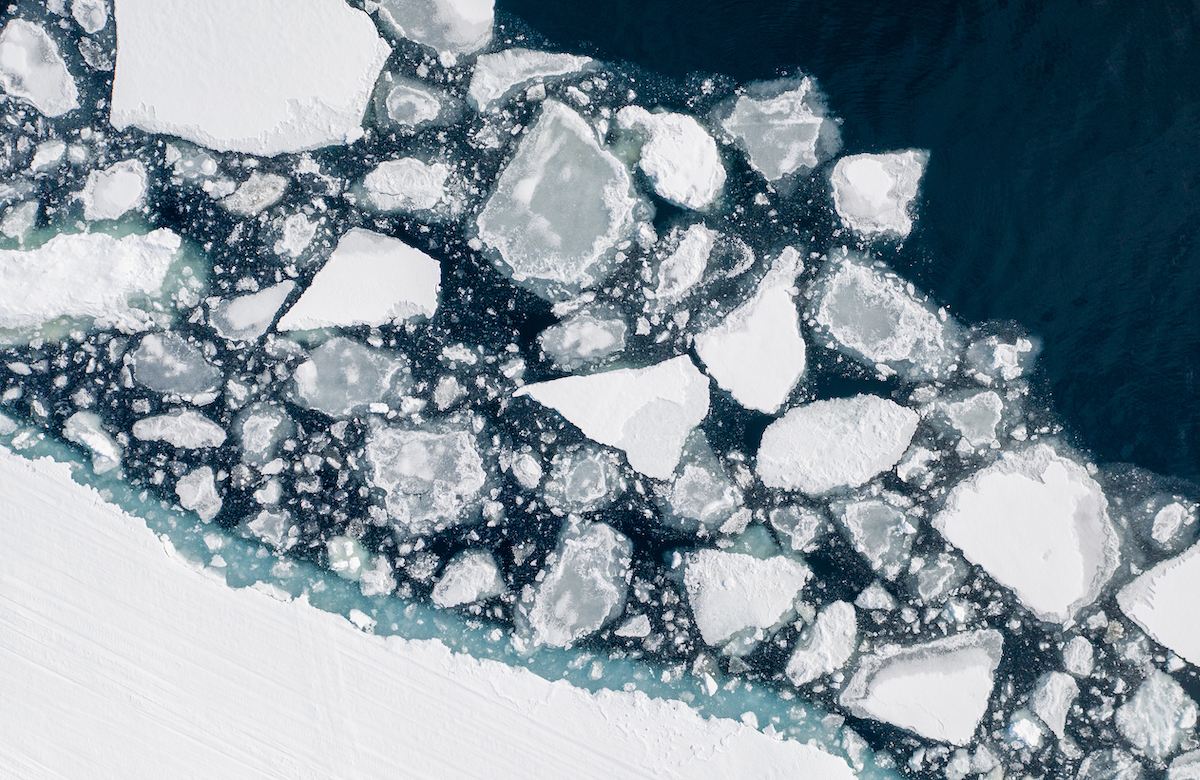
(1158, 716)
(873, 193)
(263, 78)
(31, 69)
(829, 643)
(115, 190)
(450, 27)
(470, 576)
(679, 156)
(246, 317)
(406, 184)
(342, 377)
(732, 593)
(183, 428)
(783, 128)
(1163, 602)
(497, 77)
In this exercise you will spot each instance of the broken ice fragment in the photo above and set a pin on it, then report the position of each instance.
(449, 27)
(246, 317)
(680, 158)
(32, 69)
(873, 193)
(829, 643)
(584, 479)
(378, 578)
(826, 445)
(499, 76)
(275, 528)
(90, 15)
(470, 576)
(1109, 764)
(1005, 359)
(347, 557)
(974, 416)
(1052, 698)
(802, 525)
(1077, 656)
(701, 495)
(186, 429)
(342, 377)
(938, 689)
(589, 336)
(256, 193)
(645, 412)
(738, 596)
(165, 363)
(19, 220)
(86, 430)
(409, 104)
(197, 491)
(370, 279)
(112, 192)
(882, 533)
(684, 267)
(406, 184)
(1163, 602)
(1158, 716)
(1038, 524)
(260, 429)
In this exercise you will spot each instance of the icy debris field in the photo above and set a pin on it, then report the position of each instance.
(574, 368)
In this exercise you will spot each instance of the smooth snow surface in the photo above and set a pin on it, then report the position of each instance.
(1163, 602)
(645, 412)
(265, 77)
(113, 191)
(450, 27)
(939, 689)
(499, 76)
(679, 157)
(731, 593)
(783, 128)
(873, 193)
(123, 643)
(1038, 524)
(370, 279)
(827, 445)
(32, 69)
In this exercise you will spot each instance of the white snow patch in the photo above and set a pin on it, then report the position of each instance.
(406, 184)
(112, 192)
(831, 641)
(499, 76)
(733, 593)
(32, 69)
(246, 317)
(183, 428)
(1163, 602)
(873, 192)
(680, 157)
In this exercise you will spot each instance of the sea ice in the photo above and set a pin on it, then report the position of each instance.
(86, 430)
(261, 78)
(449, 27)
(974, 416)
(406, 184)
(584, 479)
(993, 358)
(937, 689)
(197, 492)
(701, 495)
(260, 429)
(1077, 656)
(497, 77)
(90, 15)
(882, 533)
(469, 577)
(1052, 698)
(259, 191)
(873, 193)
(735, 596)
(679, 157)
(1157, 717)
(684, 267)
(409, 104)
(1170, 523)
(275, 527)
(165, 363)
(1109, 764)
(803, 526)
(185, 429)
(1185, 767)
(347, 557)
(589, 336)
(342, 377)
(112, 192)
(1163, 602)
(19, 220)
(370, 279)
(1038, 524)
(827, 445)
(560, 208)
(827, 645)
(935, 578)
(246, 317)
(32, 69)
(647, 413)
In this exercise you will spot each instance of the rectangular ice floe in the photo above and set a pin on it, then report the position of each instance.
(873, 193)
(499, 76)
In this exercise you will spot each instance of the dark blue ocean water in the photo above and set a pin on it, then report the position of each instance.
(1063, 190)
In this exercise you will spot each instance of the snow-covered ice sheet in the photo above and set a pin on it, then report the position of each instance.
(1163, 602)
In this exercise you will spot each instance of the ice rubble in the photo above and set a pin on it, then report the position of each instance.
(197, 491)
(258, 78)
(450, 27)
(370, 279)
(246, 317)
(342, 377)
(1038, 524)
(560, 208)
(830, 642)
(589, 336)
(32, 69)
(186, 429)
(470, 576)
(497, 77)
(166, 363)
(1163, 602)
(407, 184)
(873, 193)
(647, 413)
(735, 596)
(679, 157)
(115, 190)
(87, 430)
(938, 689)
(1158, 716)
(825, 445)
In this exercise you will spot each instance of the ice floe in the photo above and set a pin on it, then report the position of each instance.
(197, 491)
(342, 377)
(258, 192)
(87, 430)
(882, 533)
(470, 576)
(186, 429)
(449, 27)
(166, 363)
(407, 184)
(583, 479)
(829, 643)
(590, 336)
(684, 267)
(679, 156)
(1052, 698)
(873, 193)
(1157, 717)
(701, 495)
(409, 105)
(32, 69)
(246, 317)
(90, 15)
(115, 190)
(735, 596)
(499, 76)
(1162, 601)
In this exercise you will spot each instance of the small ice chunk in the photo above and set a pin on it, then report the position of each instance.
(1038, 524)
(342, 377)
(1002, 359)
(701, 495)
(1185, 767)
(87, 430)
(165, 363)
(260, 429)
(782, 126)
(938, 689)
(470, 576)
(1163, 602)
(1077, 656)
(197, 491)
(826, 445)
(527, 470)
(185, 429)
(585, 587)
(589, 336)
(275, 527)
(827, 645)
(112, 192)
(938, 577)
(431, 478)
(497, 77)
(370, 279)
(447, 392)
(1052, 698)
(246, 77)
(683, 269)
(584, 479)
(1109, 764)
(1170, 521)
(637, 627)
(647, 413)
(7, 425)
(875, 596)
(1158, 716)
(246, 317)
(377, 579)
(47, 155)
(347, 557)
(19, 221)
(32, 69)
(975, 416)
(90, 15)
(560, 207)
(259, 191)
(873, 193)
(757, 352)
(409, 104)
(449, 27)
(680, 158)
(738, 596)
(406, 184)
(802, 525)
(295, 235)
(882, 533)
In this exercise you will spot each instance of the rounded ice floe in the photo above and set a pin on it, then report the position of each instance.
(1163, 602)
(1109, 764)
(499, 76)
(87, 430)
(32, 69)
(1158, 717)
(90, 15)
(370, 279)
(259, 191)
(829, 643)
(408, 105)
(873, 193)
(469, 577)
(733, 595)
(680, 158)
(166, 363)
(993, 358)
(186, 429)
(1038, 524)
(938, 689)
(406, 184)
(197, 492)
(589, 336)
(827, 445)
(246, 317)
(584, 479)
(258, 78)
(112, 192)
(342, 377)
(881, 533)
(449, 27)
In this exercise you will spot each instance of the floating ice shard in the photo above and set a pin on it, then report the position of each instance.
(186, 429)
(408, 105)
(165, 363)
(935, 578)
(739, 596)
(260, 429)
(258, 78)
(992, 358)
(406, 184)
(683, 269)
(827, 445)
(882, 533)
(31, 69)
(197, 491)
(450, 27)
(1038, 524)
(1052, 698)
(246, 317)
(584, 479)
(701, 495)
(342, 377)
(560, 208)
(275, 528)
(112, 192)
(830, 642)
(86, 430)
(19, 220)
(803, 526)
(757, 352)
(589, 336)
(873, 193)
(680, 158)
(470, 576)
(938, 689)
(370, 279)
(1172, 523)
(647, 413)
(89, 276)
(1163, 602)
(90, 15)
(497, 77)
(259, 191)
(1158, 716)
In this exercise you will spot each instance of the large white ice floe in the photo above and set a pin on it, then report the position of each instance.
(647, 413)
(560, 208)
(1163, 602)
(370, 279)
(87, 276)
(1158, 717)
(246, 317)
(261, 78)
(32, 69)
(757, 352)
(449, 27)
(782, 126)
(842, 442)
(679, 156)
(342, 377)
(938, 689)
(876, 317)
(186, 429)
(873, 193)
(826, 646)
(86, 430)
(585, 587)
(737, 596)
(470, 576)
(499, 76)
(407, 184)
(1038, 524)
(115, 190)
